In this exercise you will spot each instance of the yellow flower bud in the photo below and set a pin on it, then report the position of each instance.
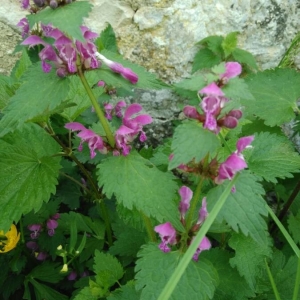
(64, 268)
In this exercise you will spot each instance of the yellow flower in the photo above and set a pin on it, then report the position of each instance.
(9, 240)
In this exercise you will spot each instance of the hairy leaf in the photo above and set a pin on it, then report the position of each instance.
(155, 267)
(229, 43)
(126, 292)
(205, 59)
(275, 95)
(294, 225)
(28, 172)
(47, 272)
(228, 276)
(66, 18)
(107, 40)
(249, 257)
(244, 57)
(85, 294)
(273, 157)
(192, 141)
(137, 183)
(244, 209)
(40, 92)
(213, 43)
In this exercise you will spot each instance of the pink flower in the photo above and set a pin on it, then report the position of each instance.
(167, 234)
(186, 196)
(94, 141)
(232, 69)
(24, 25)
(202, 212)
(36, 229)
(235, 162)
(204, 245)
(51, 225)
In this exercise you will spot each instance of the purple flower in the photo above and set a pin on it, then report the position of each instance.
(202, 212)
(24, 25)
(212, 89)
(186, 195)
(232, 69)
(56, 216)
(36, 229)
(41, 256)
(131, 127)
(32, 245)
(72, 276)
(118, 108)
(118, 68)
(167, 234)
(24, 4)
(204, 245)
(51, 225)
(94, 141)
(108, 110)
(101, 83)
(235, 162)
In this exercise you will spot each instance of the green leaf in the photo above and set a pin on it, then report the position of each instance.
(22, 65)
(39, 92)
(79, 97)
(237, 89)
(249, 257)
(228, 276)
(126, 292)
(244, 57)
(229, 43)
(155, 267)
(107, 40)
(67, 18)
(275, 95)
(205, 59)
(128, 240)
(192, 141)
(146, 80)
(213, 43)
(294, 225)
(244, 209)
(273, 157)
(85, 294)
(107, 268)
(7, 90)
(47, 272)
(45, 292)
(28, 172)
(137, 183)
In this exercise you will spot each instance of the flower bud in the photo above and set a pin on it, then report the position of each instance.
(236, 113)
(53, 4)
(64, 268)
(39, 3)
(230, 122)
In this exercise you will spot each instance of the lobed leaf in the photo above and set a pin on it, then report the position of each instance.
(198, 282)
(205, 59)
(107, 40)
(126, 292)
(294, 225)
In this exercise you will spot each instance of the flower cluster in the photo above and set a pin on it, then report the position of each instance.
(214, 101)
(116, 110)
(25, 4)
(132, 126)
(167, 232)
(9, 240)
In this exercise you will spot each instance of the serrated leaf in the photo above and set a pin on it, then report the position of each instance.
(190, 86)
(213, 43)
(67, 18)
(85, 294)
(228, 277)
(22, 65)
(28, 172)
(45, 292)
(237, 89)
(38, 93)
(7, 90)
(107, 267)
(198, 282)
(79, 96)
(229, 43)
(128, 240)
(192, 141)
(275, 95)
(273, 157)
(294, 225)
(244, 209)
(107, 40)
(146, 80)
(137, 183)
(244, 57)
(249, 257)
(126, 292)
(205, 59)
(47, 272)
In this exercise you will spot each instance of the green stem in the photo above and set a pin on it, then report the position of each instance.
(149, 228)
(224, 142)
(297, 283)
(77, 182)
(193, 205)
(22, 231)
(102, 208)
(98, 110)
(180, 269)
(277, 296)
